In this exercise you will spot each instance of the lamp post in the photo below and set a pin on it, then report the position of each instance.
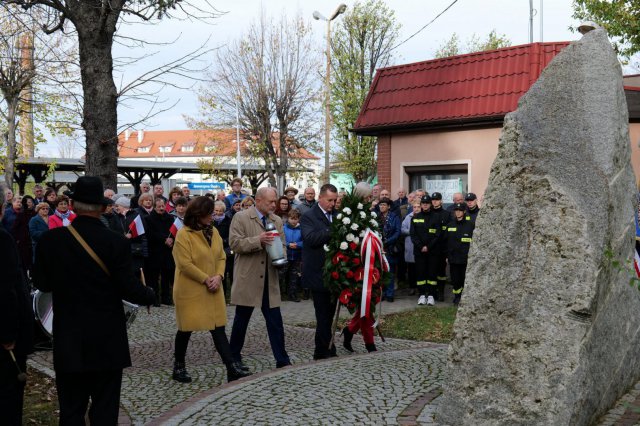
(327, 119)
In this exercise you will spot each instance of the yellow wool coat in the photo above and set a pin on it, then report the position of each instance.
(198, 309)
(252, 260)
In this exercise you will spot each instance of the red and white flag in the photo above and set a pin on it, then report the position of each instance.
(136, 227)
(176, 226)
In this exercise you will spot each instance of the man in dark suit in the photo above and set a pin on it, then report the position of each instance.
(316, 232)
(91, 346)
(16, 327)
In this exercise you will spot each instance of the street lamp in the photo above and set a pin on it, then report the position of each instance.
(327, 119)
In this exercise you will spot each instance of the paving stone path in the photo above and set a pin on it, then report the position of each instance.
(399, 384)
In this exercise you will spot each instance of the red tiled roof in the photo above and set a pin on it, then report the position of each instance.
(466, 87)
(222, 142)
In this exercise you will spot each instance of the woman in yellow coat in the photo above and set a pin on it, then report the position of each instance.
(197, 291)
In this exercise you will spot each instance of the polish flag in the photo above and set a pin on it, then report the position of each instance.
(136, 227)
(176, 226)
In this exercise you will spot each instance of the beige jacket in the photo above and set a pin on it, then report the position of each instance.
(252, 260)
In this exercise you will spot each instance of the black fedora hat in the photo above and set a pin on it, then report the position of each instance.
(88, 189)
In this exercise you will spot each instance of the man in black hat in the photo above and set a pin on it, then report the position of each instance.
(89, 274)
(472, 205)
(16, 327)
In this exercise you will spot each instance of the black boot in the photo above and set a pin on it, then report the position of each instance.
(235, 373)
(180, 373)
(348, 337)
(371, 347)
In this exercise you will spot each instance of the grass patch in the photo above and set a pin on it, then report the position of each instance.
(429, 324)
(40, 400)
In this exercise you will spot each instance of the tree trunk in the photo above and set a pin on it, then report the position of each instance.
(9, 167)
(100, 116)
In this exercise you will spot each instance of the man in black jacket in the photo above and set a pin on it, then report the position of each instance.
(16, 327)
(91, 346)
(458, 237)
(316, 232)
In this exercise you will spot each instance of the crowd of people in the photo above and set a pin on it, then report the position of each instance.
(194, 252)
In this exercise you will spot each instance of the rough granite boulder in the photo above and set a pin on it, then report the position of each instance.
(548, 332)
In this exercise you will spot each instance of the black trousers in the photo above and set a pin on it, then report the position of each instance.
(411, 274)
(75, 389)
(162, 274)
(324, 305)
(427, 274)
(11, 390)
(458, 272)
(220, 341)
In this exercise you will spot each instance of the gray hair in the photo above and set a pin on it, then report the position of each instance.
(219, 203)
(261, 192)
(362, 189)
(80, 207)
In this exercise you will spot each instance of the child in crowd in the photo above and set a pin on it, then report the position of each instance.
(293, 236)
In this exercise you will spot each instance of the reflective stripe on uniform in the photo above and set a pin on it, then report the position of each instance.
(465, 240)
(467, 217)
(452, 229)
(423, 282)
(418, 220)
(458, 291)
(444, 227)
(432, 230)
(442, 278)
(432, 282)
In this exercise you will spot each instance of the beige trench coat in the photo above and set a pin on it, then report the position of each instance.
(198, 309)
(252, 260)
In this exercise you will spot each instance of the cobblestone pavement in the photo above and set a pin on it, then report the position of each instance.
(399, 384)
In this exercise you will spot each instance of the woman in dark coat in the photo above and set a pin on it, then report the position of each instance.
(20, 232)
(39, 224)
(160, 266)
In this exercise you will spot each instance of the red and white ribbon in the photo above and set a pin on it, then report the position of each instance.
(370, 248)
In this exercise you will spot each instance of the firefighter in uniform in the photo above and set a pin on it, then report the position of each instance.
(458, 237)
(472, 206)
(425, 233)
(441, 270)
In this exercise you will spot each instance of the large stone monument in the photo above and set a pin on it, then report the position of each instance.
(548, 332)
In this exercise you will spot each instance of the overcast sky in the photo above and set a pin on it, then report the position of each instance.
(465, 17)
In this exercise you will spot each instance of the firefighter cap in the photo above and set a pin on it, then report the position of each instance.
(425, 199)
(436, 196)
(460, 206)
(470, 197)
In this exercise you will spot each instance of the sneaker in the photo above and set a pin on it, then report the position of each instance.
(430, 301)
(422, 300)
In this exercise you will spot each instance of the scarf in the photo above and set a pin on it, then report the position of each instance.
(219, 219)
(64, 217)
(207, 231)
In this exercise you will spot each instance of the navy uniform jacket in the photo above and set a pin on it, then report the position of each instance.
(89, 328)
(426, 230)
(316, 232)
(458, 237)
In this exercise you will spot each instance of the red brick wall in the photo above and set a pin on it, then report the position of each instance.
(384, 161)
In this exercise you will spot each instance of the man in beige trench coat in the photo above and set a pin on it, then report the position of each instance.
(255, 280)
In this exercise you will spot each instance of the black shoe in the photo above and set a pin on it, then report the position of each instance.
(412, 292)
(390, 299)
(305, 294)
(180, 373)
(241, 366)
(371, 347)
(234, 373)
(283, 364)
(348, 337)
(156, 305)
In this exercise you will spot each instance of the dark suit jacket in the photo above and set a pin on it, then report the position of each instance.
(316, 232)
(88, 324)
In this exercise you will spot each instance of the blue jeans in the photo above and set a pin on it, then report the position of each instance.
(391, 287)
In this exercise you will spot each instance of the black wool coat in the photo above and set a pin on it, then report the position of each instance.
(16, 315)
(89, 328)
